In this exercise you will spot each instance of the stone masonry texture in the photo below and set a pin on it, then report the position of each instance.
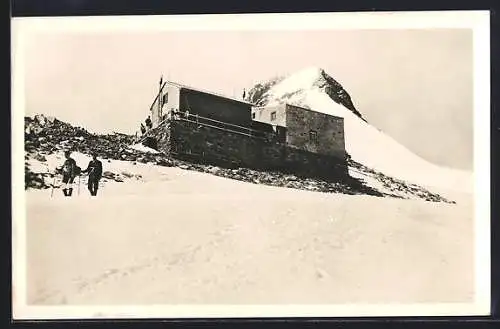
(329, 130)
(201, 143)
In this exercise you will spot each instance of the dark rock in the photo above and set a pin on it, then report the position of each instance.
(163, 162)
(127, 174)
(40, 158)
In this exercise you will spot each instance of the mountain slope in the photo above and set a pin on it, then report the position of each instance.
(45, 140)
(192, 238)
(313, 88)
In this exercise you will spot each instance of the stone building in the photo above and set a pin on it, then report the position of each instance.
(306, 129)
(200, 126)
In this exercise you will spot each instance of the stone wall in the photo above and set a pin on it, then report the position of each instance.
(204, 144)
(300, 122)
(329, 130)
(312, 164)
(222, 147)
(161, 136)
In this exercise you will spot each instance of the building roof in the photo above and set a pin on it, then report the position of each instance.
(203, 91)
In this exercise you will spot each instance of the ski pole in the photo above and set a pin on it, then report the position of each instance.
(53, 183)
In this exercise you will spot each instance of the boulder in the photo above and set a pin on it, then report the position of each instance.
(40, 157)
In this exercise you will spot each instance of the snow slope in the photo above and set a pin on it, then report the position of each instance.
(41, 167)
(365, 143)
(187, 237)
(174, 236)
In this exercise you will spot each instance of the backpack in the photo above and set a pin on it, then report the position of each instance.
(77, 171)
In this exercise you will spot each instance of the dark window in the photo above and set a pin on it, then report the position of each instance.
(253, 115)
(273, 116)
(313, 136)
(165, 98)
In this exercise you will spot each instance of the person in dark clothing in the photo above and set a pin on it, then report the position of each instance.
(149, 124)
(143, 129)
(68, 171)
(94, 169)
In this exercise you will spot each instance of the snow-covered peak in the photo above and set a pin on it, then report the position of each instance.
(305, 79)
(313, 88)
(293, 88)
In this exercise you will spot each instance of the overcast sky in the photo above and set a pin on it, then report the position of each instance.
(416, 85)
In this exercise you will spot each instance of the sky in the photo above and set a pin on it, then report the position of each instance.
(415, 85)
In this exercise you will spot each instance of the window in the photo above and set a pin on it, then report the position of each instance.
(165, 98)
(273, 116)
(253, 115)
(313, 136)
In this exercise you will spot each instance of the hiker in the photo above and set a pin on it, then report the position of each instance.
(149, 123)
(68, 169)
(143, 129)
(94, 169)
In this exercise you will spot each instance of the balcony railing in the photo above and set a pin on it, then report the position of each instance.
(216, 124)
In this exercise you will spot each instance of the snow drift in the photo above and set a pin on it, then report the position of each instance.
(314, 89)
